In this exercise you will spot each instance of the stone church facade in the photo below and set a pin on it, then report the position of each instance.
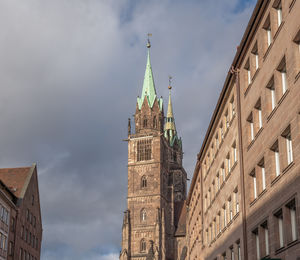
(156, 179)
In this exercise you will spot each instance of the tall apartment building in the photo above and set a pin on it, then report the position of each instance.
(244, 199)
(20, 215)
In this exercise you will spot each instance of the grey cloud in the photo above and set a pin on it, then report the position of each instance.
(70, 72)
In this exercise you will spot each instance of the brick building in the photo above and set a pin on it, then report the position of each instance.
(243, 202)
(20, 216)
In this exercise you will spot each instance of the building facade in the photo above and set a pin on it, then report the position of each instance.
(156, 179)
(243, 202)
(244, 198)
(20, 216)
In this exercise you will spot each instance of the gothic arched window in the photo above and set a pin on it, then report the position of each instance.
(143, 215)
(143, 245)
(154, 122)
(145, 122)
(144, 182)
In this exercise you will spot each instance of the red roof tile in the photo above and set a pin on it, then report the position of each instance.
(16, 179)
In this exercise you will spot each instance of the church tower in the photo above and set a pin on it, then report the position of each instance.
(156, 178)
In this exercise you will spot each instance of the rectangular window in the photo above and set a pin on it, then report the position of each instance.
(231, 253)
(261, 165)
(223, 172)
(256, 236)
(215, 228)
(282, 70)
(297, 52)
(226, 119)
(207, 237)
(217, 142)
(224, 216)
(266, 237)
(230, 209)
(239, 250)
(218, 181)
(267, 28)
(251, 126)
(224, 256)
(279, 229)
(228, 163)
(271, 87)
(275, 149)
(253, 175)
(293, 220)
(236, 199)
(221, 131)
(259, 113)
(219, 222)
(289, 147)
(21, 254)
(144, 149)
(232, 106)
(11, 248)
(248, 72)
(278, 7)
(234, 152)
(255, 56)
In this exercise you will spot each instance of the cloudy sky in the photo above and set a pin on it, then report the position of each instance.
(70, 72)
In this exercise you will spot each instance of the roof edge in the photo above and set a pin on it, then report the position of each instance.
(24, 189)
(236, 62)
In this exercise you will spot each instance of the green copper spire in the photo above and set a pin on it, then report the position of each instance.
(149, 90)
(170, 132)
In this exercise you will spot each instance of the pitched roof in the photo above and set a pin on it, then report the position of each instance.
(17, 179)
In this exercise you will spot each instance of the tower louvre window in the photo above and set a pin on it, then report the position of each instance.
(144, 182)
(145, 122)
(144, 150)
(154, 122)
(143, 215)
(143, 245)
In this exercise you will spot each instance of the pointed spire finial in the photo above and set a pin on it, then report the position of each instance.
(148, 40)
(149, 90)
(170, 79)
(170, 128)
